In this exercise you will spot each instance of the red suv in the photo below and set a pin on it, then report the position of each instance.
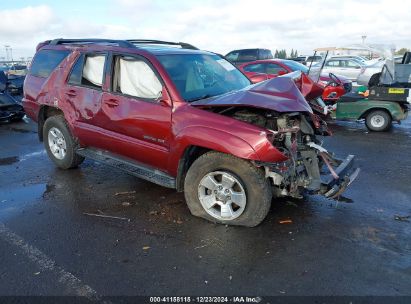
(182, 118)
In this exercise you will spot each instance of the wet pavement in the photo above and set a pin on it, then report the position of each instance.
(50, 246)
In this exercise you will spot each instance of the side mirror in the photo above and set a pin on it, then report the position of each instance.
(282, 72)
(258, 78)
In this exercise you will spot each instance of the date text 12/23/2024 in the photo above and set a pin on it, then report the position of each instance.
(240, 299)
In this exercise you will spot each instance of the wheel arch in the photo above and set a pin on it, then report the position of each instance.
(190, 154)
(44, 113)
(368, 111)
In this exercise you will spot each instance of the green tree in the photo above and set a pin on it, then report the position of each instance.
(276, 54)
(282, 54)
(401, 51)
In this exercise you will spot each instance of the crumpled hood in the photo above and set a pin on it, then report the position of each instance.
(280, 94)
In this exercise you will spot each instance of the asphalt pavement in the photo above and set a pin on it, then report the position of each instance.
(53, 241)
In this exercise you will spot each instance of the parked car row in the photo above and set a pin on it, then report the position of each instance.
(355, 68)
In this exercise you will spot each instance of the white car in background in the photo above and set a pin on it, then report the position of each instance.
(355, 57)
(370, 70)
(308, 60)
(347, 67)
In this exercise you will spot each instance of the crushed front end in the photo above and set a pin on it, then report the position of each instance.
(279, 107)
(309, 167)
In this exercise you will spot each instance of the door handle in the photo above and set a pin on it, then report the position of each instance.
(71, 93)
(111, 102)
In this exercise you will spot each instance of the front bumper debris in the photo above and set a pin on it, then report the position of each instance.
(336, 182)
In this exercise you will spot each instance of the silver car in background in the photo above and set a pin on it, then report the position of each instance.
(370, 70)
(347, 67)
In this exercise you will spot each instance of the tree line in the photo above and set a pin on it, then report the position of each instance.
(282, 54)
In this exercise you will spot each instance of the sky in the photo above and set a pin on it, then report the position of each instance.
(214, 25)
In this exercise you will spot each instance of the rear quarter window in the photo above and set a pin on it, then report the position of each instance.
(46, 61)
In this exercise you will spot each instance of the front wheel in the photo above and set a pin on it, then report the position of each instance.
(378, 121)
(225, 189)
(59, 143)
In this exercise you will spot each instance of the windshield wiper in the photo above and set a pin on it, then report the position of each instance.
(205, 96)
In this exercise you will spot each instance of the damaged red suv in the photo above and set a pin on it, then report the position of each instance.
(184, 119)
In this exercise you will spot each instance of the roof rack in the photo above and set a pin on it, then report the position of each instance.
(121, 43)
(148, 41)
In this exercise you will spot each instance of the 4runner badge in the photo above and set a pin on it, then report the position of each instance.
(158, 140)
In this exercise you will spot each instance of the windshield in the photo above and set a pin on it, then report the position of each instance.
(198, 76)
(296, 66)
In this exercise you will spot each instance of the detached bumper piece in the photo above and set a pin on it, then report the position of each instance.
(11, 113)
(335, 183)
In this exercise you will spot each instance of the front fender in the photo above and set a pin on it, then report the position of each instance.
(222, 141)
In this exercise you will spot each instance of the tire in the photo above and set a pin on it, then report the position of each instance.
(374, 80)
(56, 127)
(378, 121)
(249, 184)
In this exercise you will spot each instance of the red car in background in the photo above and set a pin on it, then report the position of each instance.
(334, 86)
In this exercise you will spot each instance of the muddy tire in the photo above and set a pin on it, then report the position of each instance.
(59, 143)
(378, 121)
(224, 189)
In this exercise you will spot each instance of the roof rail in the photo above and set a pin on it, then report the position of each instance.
(121, 43)
(148, 41)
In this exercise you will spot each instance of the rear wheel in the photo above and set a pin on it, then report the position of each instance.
(378, 121)
(59, 143)
(374, 80)
(225, 189)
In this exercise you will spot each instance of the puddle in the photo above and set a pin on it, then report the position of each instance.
(8, 160)
(33, 154)
(23, 193)
(18, 130)
(14, 199)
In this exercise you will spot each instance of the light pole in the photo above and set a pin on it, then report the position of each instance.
(11, 55)
(7, 51)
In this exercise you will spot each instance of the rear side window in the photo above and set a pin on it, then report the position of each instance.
(88, 71)
(233, 56)
(46, 61)
(333, 63)
(272, 68)
(352, 64)
(255, 68)
(93, 71)
(248, 55)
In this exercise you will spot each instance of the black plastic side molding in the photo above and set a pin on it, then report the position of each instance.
(130, 166)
